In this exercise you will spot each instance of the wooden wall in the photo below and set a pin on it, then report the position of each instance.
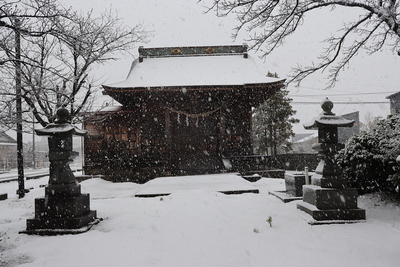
(154, 139)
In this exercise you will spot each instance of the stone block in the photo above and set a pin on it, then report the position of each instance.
(60, 223)
(332, 214)
(328, 181)
(62, 207)
(330, 198)
(62, 190)
(294, 184)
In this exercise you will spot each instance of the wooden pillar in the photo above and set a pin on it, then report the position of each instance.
(221, 129)
(168, 135)
(250, 129)
(246, 133)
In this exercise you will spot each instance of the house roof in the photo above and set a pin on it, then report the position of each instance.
(301, 137)
(392, 95)
(5, 139)
(161, 68)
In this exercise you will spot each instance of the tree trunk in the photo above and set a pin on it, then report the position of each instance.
(20, 157)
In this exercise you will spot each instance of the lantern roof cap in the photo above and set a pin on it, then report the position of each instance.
(328, 118)
(61, 126)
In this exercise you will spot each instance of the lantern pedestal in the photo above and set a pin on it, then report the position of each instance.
(66, 213)
(332, 215)
(331, 204)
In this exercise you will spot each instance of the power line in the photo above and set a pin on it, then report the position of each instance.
(319, 88)
(344, 103)
(341, 94)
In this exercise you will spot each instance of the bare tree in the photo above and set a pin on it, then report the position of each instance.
(58, 61)
(20, 19)
(24, 16)
(370, 122)
(270, 22)
(46, 54)
(12, 16)
(7, 98)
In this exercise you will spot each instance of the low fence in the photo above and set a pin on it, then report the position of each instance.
(293, 162)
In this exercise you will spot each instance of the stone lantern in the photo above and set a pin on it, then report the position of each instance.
(63, 207)
(328, 197)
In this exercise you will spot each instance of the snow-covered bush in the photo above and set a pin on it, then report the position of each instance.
(369, 159)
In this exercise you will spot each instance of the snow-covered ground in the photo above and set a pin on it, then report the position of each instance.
(198, 227)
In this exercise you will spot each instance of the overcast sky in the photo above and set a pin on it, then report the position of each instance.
(178, 23)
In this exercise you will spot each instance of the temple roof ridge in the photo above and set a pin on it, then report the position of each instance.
(192, 51)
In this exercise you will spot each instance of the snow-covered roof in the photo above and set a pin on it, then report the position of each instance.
(300, 137)
(60, 128)
(306, 138)
(202, 69)
(393, 95)
(7, 144)
(6, 139)
(111, 108)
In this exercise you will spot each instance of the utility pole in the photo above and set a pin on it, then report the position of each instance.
(18, 87)
(33, 143)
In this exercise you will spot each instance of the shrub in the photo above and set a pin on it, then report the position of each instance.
(369, 159)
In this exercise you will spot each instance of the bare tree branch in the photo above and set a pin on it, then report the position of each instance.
(270, 22)
(59, 50)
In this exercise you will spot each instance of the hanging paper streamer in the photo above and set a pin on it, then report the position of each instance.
(192, 115)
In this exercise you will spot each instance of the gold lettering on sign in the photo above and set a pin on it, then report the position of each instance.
(176, 51)
(210, 50)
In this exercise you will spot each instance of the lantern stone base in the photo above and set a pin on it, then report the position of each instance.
(61, 190)
(332, 215)
(331, 203)
(71, 212)
(328, 181)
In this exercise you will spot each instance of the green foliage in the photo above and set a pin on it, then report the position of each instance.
(272, 124)
(369, 159)
(269, 220)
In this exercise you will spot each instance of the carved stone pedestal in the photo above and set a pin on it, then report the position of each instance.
(328, 198)
(65, 212)
(331, 203)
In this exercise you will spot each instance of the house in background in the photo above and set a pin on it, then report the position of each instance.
(183, 111)
(302, 143)
(394, 103)
(344, 133)
(8, 152)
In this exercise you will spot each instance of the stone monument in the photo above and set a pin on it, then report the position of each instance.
(63, 207)
(294, 183)
(294, 187)
(328, 197)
